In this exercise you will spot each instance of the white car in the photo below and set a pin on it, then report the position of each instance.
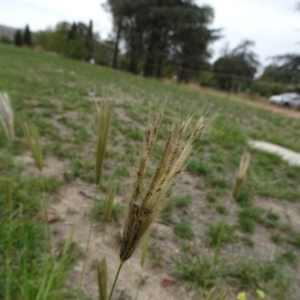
(287, 99)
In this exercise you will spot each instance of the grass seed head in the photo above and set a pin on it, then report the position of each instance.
(241, 173)
(7, 116)
(103, 116)
(109, 201)
(143, 211)
(33, 142)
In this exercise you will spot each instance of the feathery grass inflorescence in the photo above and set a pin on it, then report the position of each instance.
(7, 116)
(102, 121)
(109, 201)
(144, 207)
(102, 279)
(142, 213)
(241, 173)
(33, 141)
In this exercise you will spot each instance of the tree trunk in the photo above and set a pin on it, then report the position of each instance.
(150, 57)
(116, 49)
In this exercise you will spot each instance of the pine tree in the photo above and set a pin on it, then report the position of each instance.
(27, 36)
(18, 38)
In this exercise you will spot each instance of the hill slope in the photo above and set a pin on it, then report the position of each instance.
(256, 239)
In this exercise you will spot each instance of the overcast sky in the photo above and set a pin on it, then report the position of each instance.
(274, 25)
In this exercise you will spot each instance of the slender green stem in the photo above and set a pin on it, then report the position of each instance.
(137, 292)
(115, 281)
(88, 243)
(44, 211)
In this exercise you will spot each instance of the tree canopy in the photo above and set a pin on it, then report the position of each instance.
(164, 33)
(240, 63)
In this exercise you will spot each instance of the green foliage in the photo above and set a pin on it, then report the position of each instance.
(181, 202)
(72, 40)
(199, 167)
(18, 38)
(247, 218)
(211, 197)
(150, 37)
(221, 209)
(243, 198)
(27, 40)
(201, 270)
(240, 62)
(99, 213)
(183, 229)
(4, 40)
(256, 274)
(220, 233)
(276, 238)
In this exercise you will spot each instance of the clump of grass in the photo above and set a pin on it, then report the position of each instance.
(183, 201)
(211, 197)
(243, 198)
(247, 218)
(201, 270)
(253, 274)
(98, 211)
(200, 168)
(183, 230)
(7, 116)
(221, 209)
(218, 233)
(241, 173)
(271, 220)
(276, 238)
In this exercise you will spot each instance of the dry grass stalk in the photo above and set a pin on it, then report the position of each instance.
(141, 214)
(7, 116)
(109, 201)
(33, 141)
(103, 122)
(102, 279)
(241, 173)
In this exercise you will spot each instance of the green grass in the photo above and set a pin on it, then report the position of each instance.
(59, 105)
(201, 271)
(181, 202)
(220, 233)
(183, 229)
(248, 217)
(246, 274)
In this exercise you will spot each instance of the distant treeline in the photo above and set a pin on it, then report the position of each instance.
(169, 38)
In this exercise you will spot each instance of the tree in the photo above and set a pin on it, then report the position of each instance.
(191, 38)
(236, 67)
(18, 38)
(287, 69)
(89, 42)
(27, 37)
(116, 10)
(161, 33)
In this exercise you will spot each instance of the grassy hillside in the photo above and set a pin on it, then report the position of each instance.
(205, 239)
